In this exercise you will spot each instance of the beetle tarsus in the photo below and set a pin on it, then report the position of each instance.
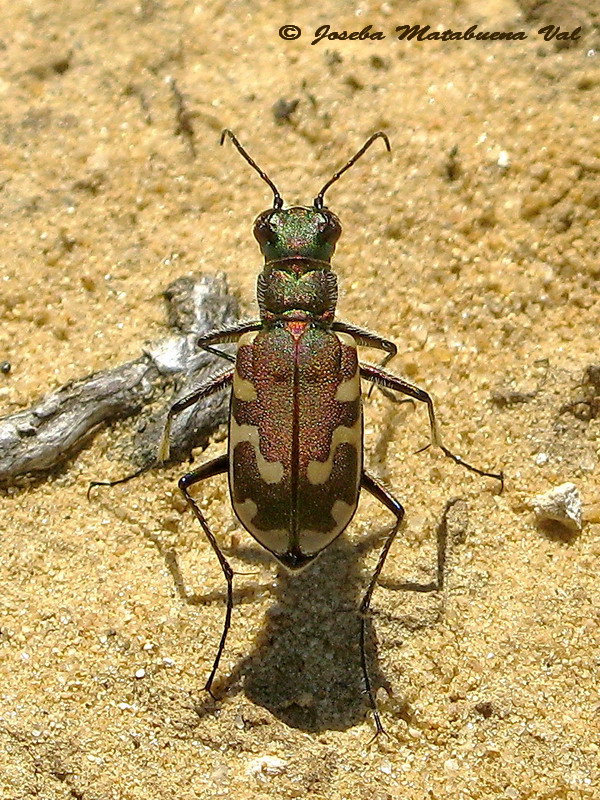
(126, 479)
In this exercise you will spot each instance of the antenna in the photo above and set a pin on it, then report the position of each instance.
(318, 201)
(277, 199)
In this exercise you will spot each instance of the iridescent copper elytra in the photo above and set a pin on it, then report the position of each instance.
(294, 459)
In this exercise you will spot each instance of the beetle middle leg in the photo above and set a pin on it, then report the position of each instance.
(216, 384)
(388, 381)
(218, 466)
(389, 501)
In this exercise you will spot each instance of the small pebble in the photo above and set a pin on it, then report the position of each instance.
(503, 160)
(266, 766)
(561, 504)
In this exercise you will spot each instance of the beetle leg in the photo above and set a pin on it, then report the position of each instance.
(216, 467)
(126, 479)
(379, 493)
(215, 384)
(226, 336)
(212, 386)
(388, 381)
(367, 339)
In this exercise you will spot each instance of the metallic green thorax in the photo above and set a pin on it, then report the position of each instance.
(297, 281)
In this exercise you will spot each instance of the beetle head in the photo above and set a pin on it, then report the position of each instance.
(301, 232)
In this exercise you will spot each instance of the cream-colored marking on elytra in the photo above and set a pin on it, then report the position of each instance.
(313, 541)
(319, 471)
(246, 511)
(349, 390)
(275, 540)
(270, 471)
(278, 540)
(247, 338)
(341, 511)
(346, 339)
(243, 389)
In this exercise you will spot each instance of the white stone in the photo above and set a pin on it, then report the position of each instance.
(561, 504)
(266, 766)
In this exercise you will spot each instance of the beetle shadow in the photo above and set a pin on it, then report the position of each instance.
(305, 667)
(306, 664)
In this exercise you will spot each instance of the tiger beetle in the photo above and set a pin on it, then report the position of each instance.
(295, 461)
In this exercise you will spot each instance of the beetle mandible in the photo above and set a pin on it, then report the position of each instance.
(294, 459)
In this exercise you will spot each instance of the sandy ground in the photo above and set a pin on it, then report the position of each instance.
(474, 246)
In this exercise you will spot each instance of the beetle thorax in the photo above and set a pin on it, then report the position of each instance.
(297, 280)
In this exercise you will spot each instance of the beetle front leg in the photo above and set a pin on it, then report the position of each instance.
(368, 339)
(388, 381)
(215, 385)
(218, 466)
(379, 493)
(226, 336)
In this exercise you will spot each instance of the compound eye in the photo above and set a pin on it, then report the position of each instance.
(263, 229)
(332, 228)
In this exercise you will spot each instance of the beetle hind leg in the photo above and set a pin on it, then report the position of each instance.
(216, 467)
(389, 501)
